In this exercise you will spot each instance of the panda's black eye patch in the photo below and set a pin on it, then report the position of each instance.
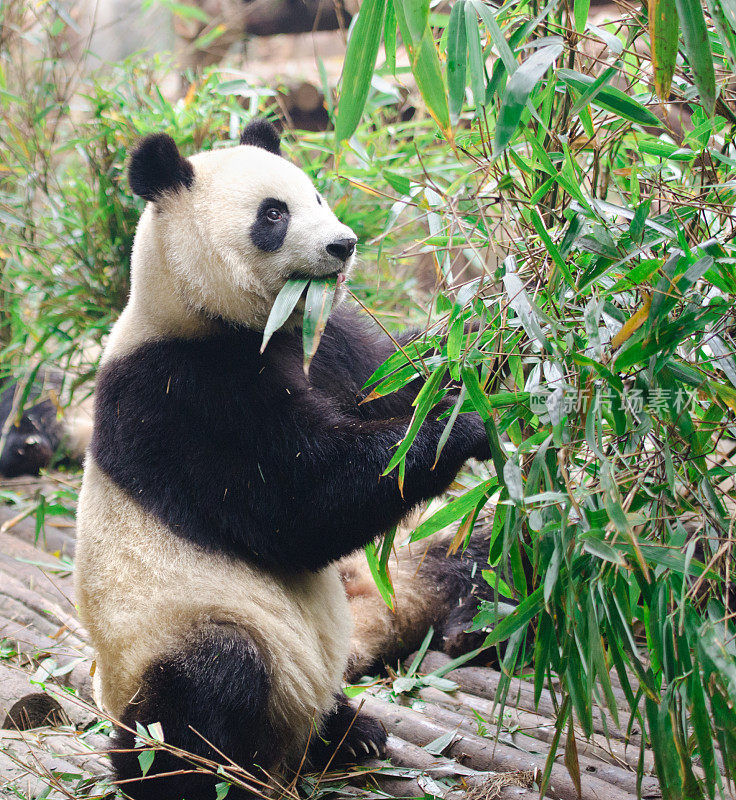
(268, 230)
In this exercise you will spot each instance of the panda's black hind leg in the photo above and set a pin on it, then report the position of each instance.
(346, 735)
(213, 688)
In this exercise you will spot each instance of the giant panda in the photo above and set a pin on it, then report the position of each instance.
(222, 485)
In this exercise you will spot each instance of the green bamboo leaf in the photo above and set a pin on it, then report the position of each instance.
(551, 247)
(501, 400)
(393, 383)
(424, 59)
(618, 517)
(416, 17)
(723, 29)
(522, 615)
(665, 750)
(401, 183)
(456, 662)
(457, 55)
(454, 510)
(697, 49)
(518, 89)
(455, 333)
(389, 36)
(360, 61)
(28, 384)
(600, 549)
(203, 41)
(431, 82)
(723, 358)
(592, 425)
(499, 40)
(423, 405)
(663, 34)
(535, 470)
(552, 572)
(587, 96)
(386, 547)
(714, 655)
(145, 760)
(728, 7)
(609, 98)
(380, 574)
(419, 656)
(493, 579)
(670, 289)
(542, 645)
(581, 9)
(284, 304)
(595, 648)
(481, 405)
(186, 11)
(497, 81)
(414, 350)
(317, 309)
(656, 628)
(475, 50)
(570, 757)
(702, 727)
(554, 744)
(450, 424)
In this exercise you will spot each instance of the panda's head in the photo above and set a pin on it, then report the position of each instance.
(225, 229)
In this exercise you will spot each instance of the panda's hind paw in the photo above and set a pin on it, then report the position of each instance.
(366, 738)
(347, 736)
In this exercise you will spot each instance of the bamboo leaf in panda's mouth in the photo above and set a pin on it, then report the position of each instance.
(283, 306)
(320, 297)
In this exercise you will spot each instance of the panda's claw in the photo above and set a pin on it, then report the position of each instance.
(351, 751)
(365, 747)
(375, 749)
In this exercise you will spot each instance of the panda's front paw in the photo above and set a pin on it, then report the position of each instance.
(365, 739)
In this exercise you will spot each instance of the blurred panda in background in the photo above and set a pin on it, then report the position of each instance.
(39, 432)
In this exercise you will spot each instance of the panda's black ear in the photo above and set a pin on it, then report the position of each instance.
(157, 167)
(261, 133)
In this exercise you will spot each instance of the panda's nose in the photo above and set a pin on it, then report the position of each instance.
(342, 248)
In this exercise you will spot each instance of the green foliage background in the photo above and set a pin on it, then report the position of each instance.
(544, 191)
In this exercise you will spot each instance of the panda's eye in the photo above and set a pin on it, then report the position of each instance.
(274, 215)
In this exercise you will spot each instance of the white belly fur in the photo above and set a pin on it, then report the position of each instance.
(139, 586)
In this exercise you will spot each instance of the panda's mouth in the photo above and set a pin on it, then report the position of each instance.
(339, 277)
